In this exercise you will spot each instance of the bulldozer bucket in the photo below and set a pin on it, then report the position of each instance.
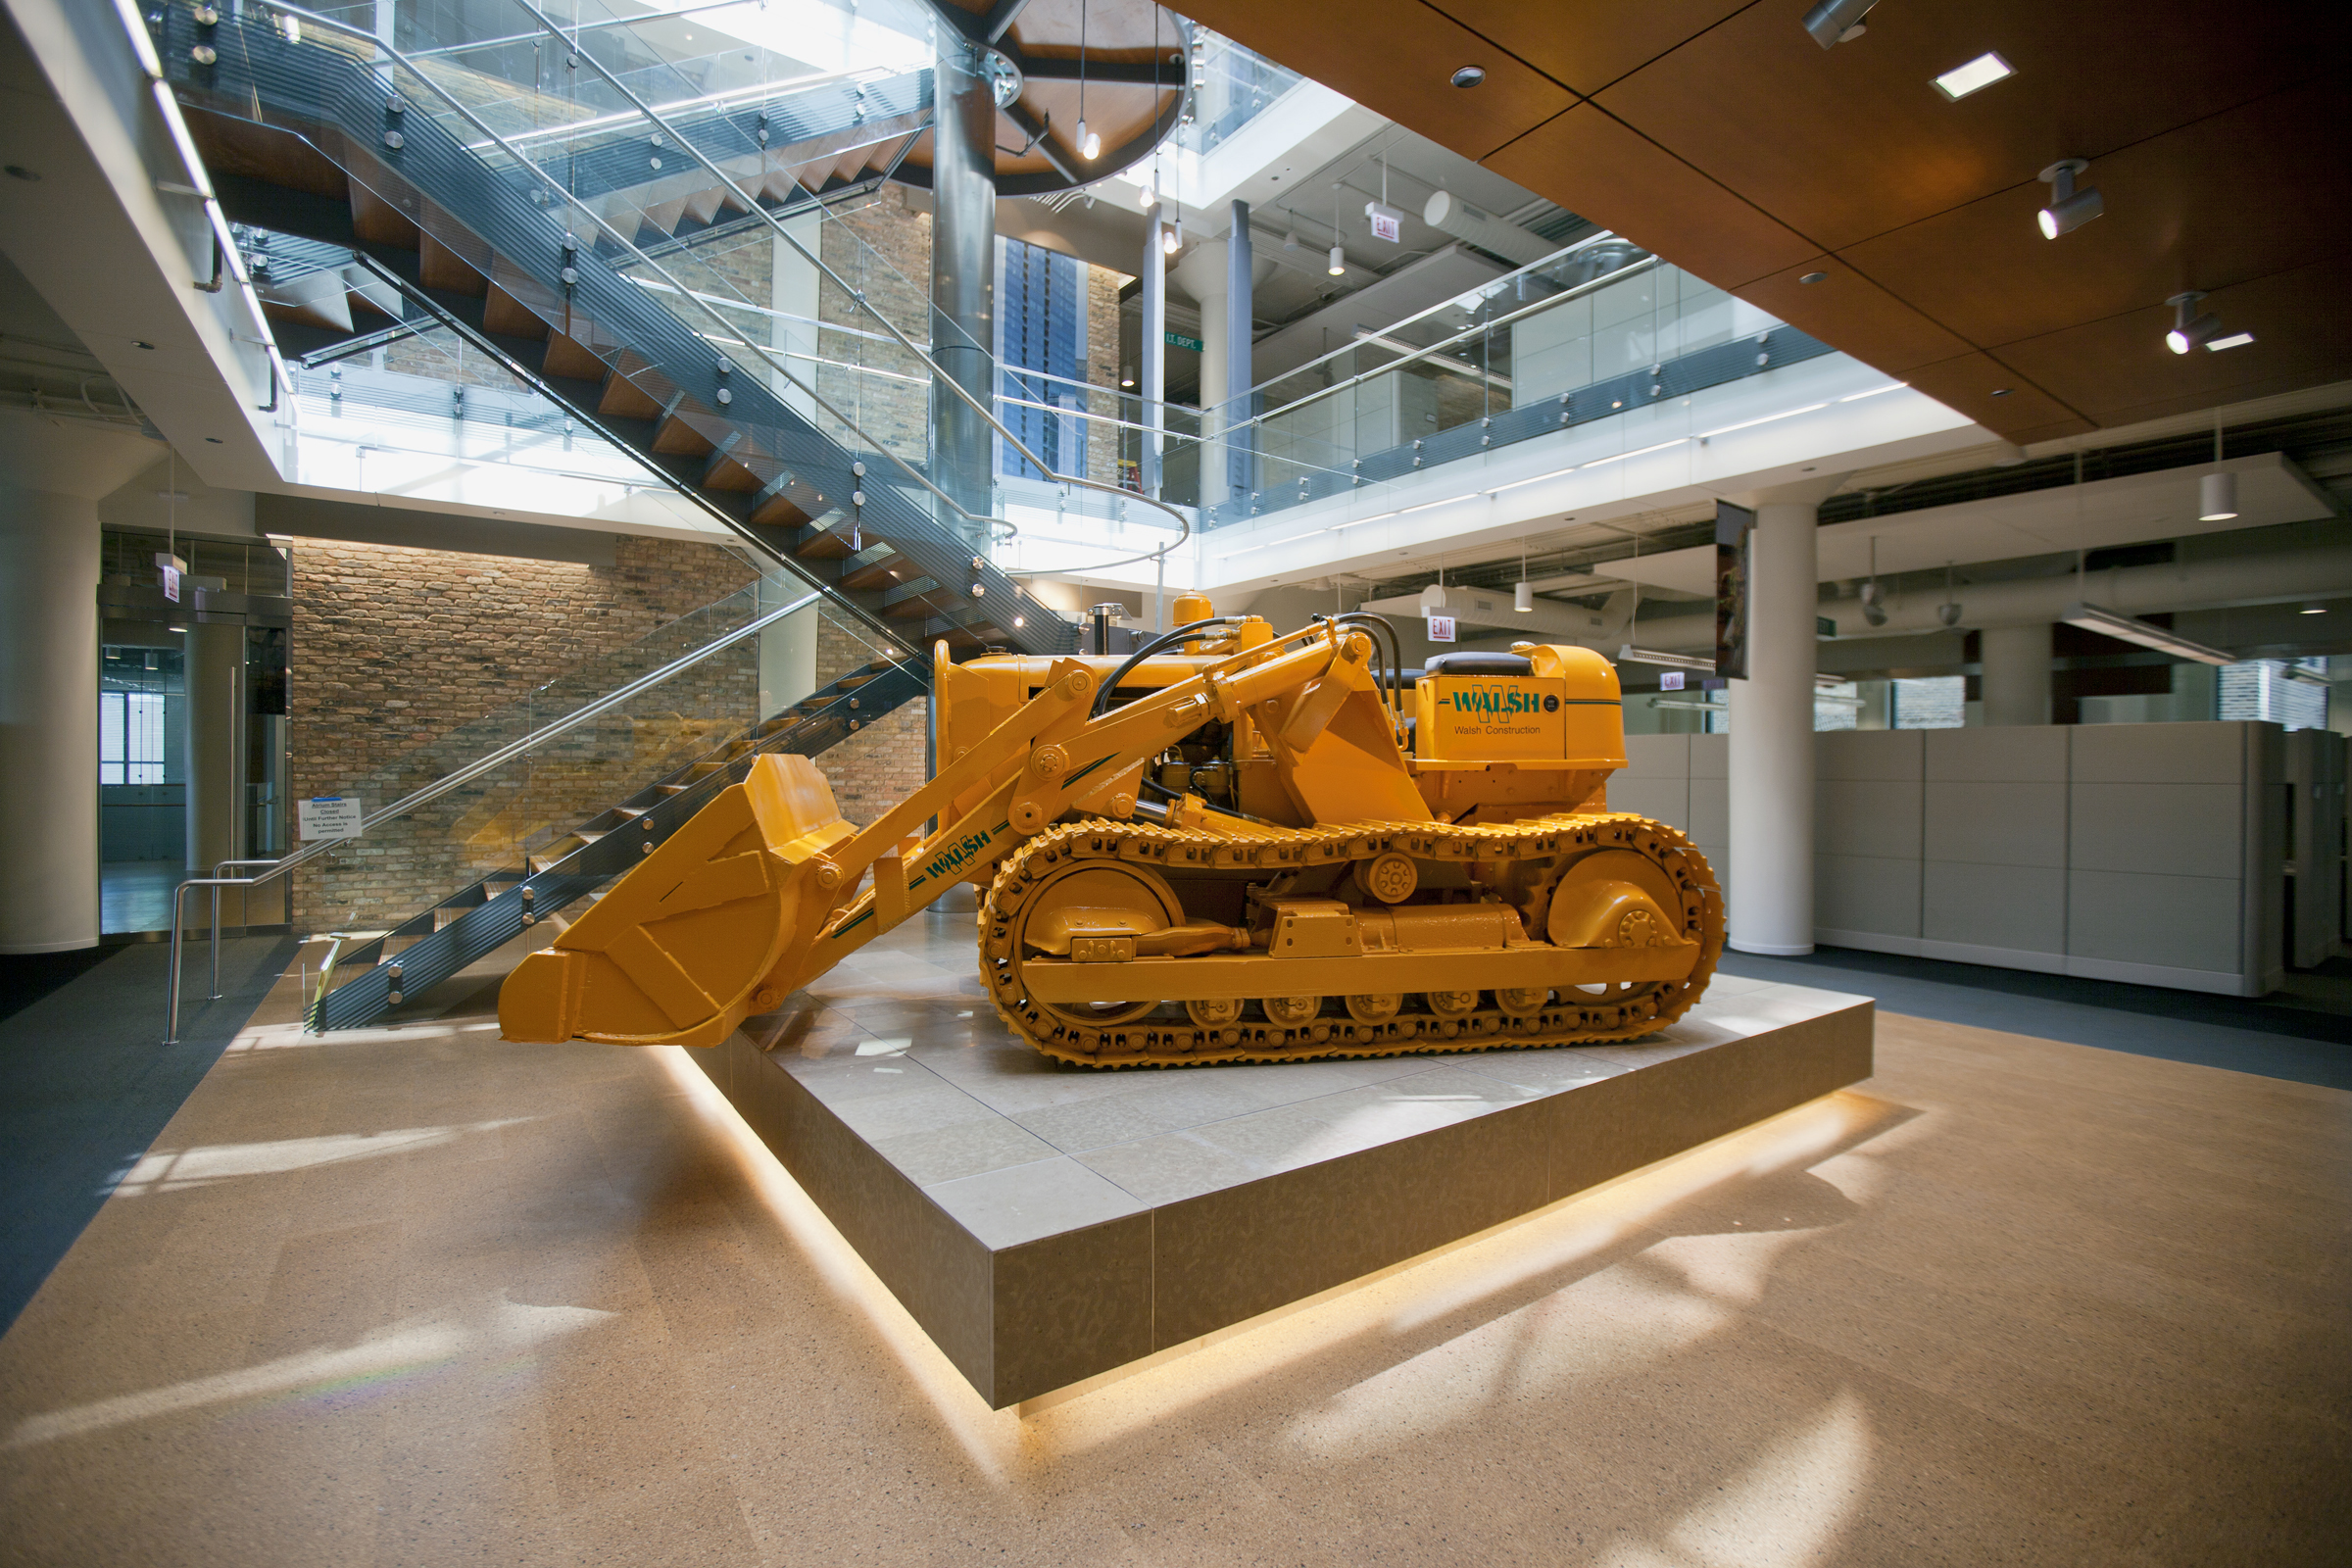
(676, 952)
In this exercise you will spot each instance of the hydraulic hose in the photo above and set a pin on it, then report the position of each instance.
(1158, 644)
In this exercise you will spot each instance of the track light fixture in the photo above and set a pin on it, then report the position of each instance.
(2068, 208)
(2189, 331)
(1835, 22)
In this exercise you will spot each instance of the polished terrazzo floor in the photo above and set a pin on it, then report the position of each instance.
(413, 1296)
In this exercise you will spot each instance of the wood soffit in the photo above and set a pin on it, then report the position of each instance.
(1717, 134)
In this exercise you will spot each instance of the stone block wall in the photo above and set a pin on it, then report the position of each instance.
(407, 664)
(1103, 287)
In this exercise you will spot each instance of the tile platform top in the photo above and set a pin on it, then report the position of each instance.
(900, 1043)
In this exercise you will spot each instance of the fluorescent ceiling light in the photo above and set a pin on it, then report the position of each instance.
(2090, 617)
(1629, 654)
(1978, 74)
(140, 42)
(1875, 391)
(1749, 425)
(1637, 451)
(2236, 340)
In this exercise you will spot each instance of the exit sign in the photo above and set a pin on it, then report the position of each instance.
(1441, 628)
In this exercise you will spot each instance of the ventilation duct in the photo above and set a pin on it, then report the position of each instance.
(1448, 213)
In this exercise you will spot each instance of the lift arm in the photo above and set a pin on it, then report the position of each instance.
(760, 894)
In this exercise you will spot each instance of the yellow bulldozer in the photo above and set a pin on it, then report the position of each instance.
(1226, 845)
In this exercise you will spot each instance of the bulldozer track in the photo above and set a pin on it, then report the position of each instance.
(1536, 847)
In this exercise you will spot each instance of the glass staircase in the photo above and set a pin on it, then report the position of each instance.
(594, 770)
(533, 204)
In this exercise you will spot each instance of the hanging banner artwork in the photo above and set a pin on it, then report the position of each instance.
(1735, 528)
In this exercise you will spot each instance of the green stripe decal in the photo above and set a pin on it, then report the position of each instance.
(1068, 783)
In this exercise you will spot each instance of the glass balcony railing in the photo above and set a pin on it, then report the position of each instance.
(1601, 328)
(1230, 87)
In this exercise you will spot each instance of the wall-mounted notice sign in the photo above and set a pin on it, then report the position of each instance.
(329, 817)
(1441, 628)
(1734, 531)
(171, 583)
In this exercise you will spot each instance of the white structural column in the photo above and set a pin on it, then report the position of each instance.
(215, 708)
(1151, 374)
(49, 564)
(2015, 660)
(1201, 272)
(1771, 874)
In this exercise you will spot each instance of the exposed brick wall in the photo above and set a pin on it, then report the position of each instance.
(883, 249)
(407, 664)
(1103, 287)
(879, 767)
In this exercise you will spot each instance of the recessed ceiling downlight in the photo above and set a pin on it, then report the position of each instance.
(1975, 77)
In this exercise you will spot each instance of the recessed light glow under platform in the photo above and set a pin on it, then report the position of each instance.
(1047, 1224)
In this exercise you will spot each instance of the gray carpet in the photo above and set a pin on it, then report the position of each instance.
(2270, 1036)
(85, 1086)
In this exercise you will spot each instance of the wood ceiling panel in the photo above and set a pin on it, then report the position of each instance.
(2233, 197)
(1398, 58)
(1850, 143)
(1594, 165)
(1996, 397)
(1604, 42)
(2118, 370)
(1861, 317)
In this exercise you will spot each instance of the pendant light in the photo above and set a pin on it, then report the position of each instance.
(1339, 251)
(1523, 597)
(1874, 605)
(1090, 143)
(2217, 492)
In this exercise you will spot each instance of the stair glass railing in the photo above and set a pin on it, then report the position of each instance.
(532, 803)
(675, 191)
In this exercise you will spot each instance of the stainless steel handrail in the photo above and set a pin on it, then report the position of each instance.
(438, 788)
(730, 333)
(941, 377)
(1629, 269)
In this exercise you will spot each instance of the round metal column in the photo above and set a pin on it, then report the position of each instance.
(963, 277)
(1770, 887)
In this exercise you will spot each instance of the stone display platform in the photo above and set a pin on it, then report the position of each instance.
(1046, 1223)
